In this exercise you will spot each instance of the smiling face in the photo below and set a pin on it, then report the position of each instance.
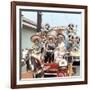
(50, 40)
(36, 41)
(60, 38)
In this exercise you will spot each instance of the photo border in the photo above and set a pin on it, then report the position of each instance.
(13, 44)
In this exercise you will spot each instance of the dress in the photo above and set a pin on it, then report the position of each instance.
(59, 52)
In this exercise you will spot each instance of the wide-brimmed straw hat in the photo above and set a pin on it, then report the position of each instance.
(35, 37)
(51, 37)
(60, 29)
(52, 34)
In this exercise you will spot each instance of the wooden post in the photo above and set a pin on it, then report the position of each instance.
(39, 21)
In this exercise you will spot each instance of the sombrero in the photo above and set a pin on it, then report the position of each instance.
(60, 29)
(35, 37)
(52, 34)
(50, 37)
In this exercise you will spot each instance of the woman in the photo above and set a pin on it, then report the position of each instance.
(60, 49)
